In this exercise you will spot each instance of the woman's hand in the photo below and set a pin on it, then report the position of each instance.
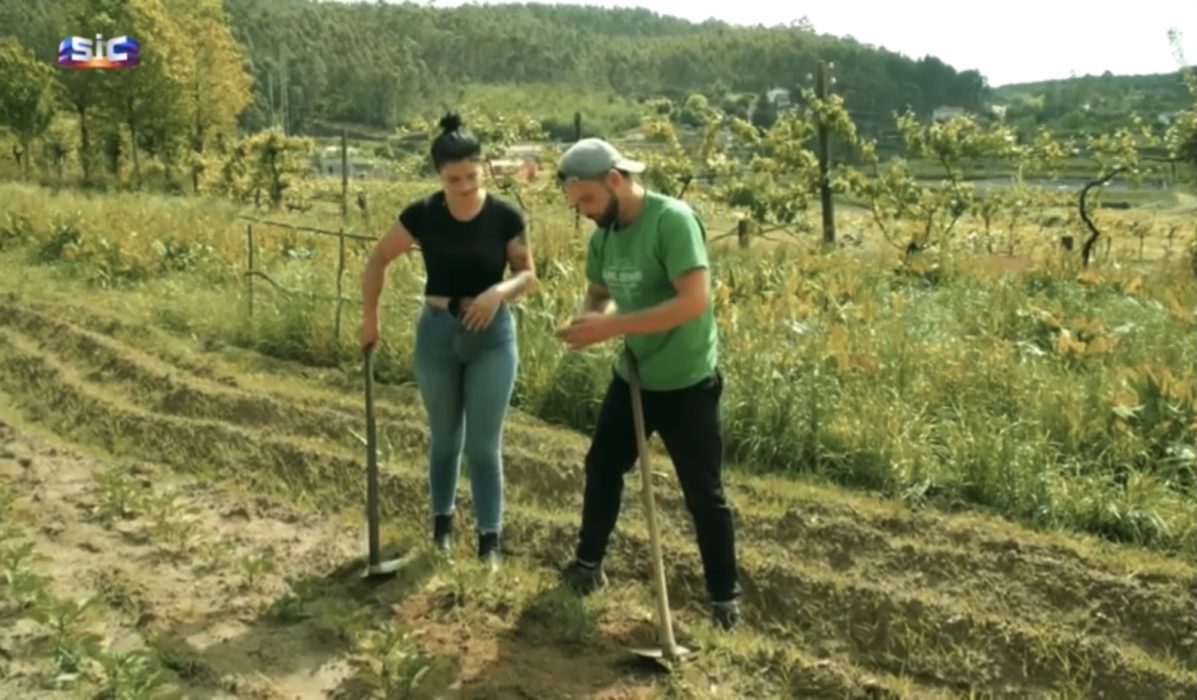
(480, 311)
(369, 331)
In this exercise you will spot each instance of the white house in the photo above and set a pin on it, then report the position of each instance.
(328, 164)
(521, 159)
(944, 113)
(779, 97)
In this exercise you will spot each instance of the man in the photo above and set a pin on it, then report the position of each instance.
(648, 257)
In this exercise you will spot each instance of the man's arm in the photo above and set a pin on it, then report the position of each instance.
(686, 261)
(598, 300)
(689, 303)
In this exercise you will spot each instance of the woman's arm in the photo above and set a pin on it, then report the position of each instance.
(397, 242)
(523, 269)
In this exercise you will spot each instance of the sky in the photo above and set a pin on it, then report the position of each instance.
(1013, 41)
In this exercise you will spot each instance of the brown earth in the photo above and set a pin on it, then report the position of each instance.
(207, 501)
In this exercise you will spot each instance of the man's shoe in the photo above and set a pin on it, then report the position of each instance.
(442, 532)
(726, 615)
(488, 549)
(584, 578)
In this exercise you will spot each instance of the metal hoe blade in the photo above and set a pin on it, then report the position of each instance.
(376, 566)
(670, 652)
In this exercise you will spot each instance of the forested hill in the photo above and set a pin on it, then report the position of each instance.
(1095, 101)
(376, 63)
(379, 60)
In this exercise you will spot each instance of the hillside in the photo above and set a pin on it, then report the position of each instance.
(1094, 103)
(386, 62)
(205, 503)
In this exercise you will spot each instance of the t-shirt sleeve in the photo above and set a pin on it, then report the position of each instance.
(683, 242)
(513, 223)
(412, 218)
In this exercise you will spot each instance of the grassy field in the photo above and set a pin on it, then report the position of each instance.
(1025, 427)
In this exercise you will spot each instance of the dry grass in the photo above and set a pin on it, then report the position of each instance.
(206, 500)
(1010, 381)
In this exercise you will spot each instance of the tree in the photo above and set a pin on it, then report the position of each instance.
(217, 86)
(1181, 137)
(694, 110)
(266, 163)
(26, 96)
(148, 98)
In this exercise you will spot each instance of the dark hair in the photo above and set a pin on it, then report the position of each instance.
(454, 143)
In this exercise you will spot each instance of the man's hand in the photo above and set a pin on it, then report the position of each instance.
(589, 329)
(480, 311)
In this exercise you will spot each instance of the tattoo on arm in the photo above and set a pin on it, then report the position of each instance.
(521, 256)
(519, 259)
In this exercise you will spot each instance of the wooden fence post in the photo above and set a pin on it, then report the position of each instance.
(824, 158)
(577, 137)
(742, 233)
(340, 280)
(249, 266)
(344, 175)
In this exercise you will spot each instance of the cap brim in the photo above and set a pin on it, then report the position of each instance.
(630, 166)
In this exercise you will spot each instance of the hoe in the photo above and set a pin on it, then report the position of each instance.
(670, 652)
(376, 568)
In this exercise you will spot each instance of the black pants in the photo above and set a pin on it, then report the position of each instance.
(688, 422)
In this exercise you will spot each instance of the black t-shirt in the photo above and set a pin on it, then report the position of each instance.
(462, 258)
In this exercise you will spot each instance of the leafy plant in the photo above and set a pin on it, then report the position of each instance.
(387, 660)
(22, 587)
(71, 646)
(120, 496)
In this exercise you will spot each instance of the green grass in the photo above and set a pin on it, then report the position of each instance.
(1052, 397)
(216, 497)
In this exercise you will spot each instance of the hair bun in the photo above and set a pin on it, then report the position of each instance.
(450, 122)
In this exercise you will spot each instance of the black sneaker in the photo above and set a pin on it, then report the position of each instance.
(488, 549)
(726, 615)
(584, 578)
(442, 532)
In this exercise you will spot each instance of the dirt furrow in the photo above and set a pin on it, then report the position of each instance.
(58, 399)
(844, 588)
(872, 623)
(530, 456)
(52, 395)
(35, 377)
(1034, 592)
(1037, 584)
(170, 576)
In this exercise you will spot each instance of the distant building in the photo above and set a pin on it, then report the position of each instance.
(523, 159)
(944, 113)
(328, 164)
(779, 97)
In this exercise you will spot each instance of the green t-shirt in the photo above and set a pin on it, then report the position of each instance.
(637, 265)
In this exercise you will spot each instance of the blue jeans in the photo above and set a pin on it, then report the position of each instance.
(466, 380)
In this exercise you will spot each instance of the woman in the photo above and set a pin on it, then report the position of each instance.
(466, 351)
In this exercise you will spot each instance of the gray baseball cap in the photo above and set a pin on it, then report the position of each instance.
(591, 157)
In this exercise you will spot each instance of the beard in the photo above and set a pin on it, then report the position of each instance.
(610, 215)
